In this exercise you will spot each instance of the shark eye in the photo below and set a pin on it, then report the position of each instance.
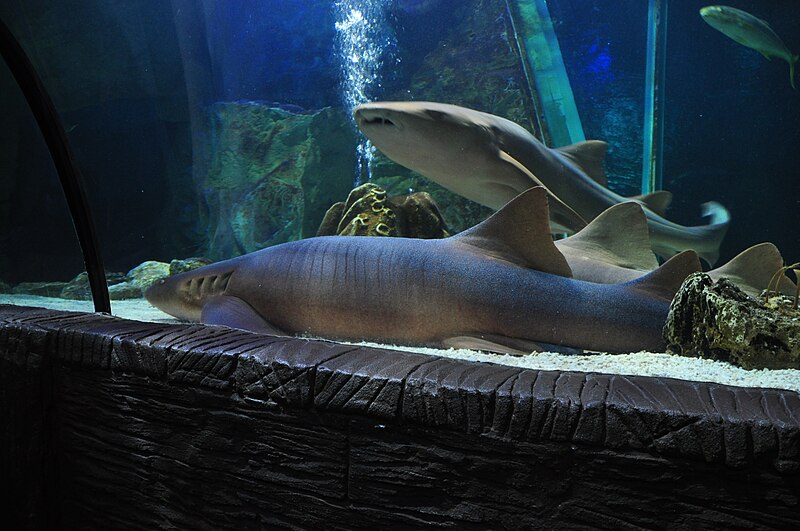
(436, 115)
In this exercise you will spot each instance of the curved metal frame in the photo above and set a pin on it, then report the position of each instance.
(53, 132)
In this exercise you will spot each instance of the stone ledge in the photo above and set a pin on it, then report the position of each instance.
(696, 420)
(112, 423)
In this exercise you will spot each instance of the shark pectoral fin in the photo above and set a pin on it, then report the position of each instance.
(658, 201)
(498, 344)
(518, 233)
(665, 281)
(560, 212)
(590, 156)
(753, 269)
(236, 313)
(618, 236)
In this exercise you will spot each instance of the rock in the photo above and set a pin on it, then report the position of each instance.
(124, 290)
(147, 273)
(5, 288)
(368, 211)
(78, 288)
(719, 321)
(43, 289)
(272, 174)
(187, 264)
(419, 216)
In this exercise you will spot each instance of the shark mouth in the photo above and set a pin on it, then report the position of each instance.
(378, 120)
(374, 118)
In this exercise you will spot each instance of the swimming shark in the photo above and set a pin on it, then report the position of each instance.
(501, 286)
(615, 248)
(489, 159)
(750, 31)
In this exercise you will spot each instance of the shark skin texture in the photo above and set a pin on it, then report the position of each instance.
(489, 159)
(500, 286)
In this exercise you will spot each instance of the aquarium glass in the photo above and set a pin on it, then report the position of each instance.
(39, 251)
(208, 129)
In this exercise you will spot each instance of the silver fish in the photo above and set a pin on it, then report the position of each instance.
(750, 31)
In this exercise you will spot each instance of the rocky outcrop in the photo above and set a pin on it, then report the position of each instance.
(272, 175)
(719, 321)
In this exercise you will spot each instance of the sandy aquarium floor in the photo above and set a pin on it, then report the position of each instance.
(641, 363)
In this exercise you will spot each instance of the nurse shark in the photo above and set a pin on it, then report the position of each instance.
(501, 286)
(615, 248)
(489, 160)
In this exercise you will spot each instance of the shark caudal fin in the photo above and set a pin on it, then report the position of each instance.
(753, 269)
(718, 220)
(792, 64)
(618, 236)
(518, 233)
(665, 281)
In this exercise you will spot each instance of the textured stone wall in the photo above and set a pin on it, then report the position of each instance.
(119, 424)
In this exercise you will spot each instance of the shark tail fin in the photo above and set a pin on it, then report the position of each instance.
(753, 269)
(718, 220)
(792, 64)
(665, 281)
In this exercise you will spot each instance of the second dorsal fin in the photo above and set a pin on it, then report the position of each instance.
(753, 269)
(665, 281)
(658, 201)
(618, 236)
(590, 156)
(519, 233)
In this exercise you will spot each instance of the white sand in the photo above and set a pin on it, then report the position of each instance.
(641, 363)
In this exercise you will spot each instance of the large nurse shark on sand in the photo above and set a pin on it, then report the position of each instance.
(500, 286)
(489, 160)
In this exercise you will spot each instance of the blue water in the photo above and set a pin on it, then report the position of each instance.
(133, 82)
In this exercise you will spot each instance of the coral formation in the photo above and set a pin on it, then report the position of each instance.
(719, 321)
(369, 211)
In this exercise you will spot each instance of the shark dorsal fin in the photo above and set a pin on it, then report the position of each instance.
(753, 268)
(658, 201)
(519, 233)
(618, 236)
(665, 281)
(590, 156)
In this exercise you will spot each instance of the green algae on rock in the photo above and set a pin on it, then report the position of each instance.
(272, 173)
(719, 321)
(369, 211)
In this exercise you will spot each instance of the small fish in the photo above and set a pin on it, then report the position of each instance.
(750, 31)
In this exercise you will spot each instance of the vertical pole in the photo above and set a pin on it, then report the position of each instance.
(537, 36)
(56, 139)
(654, 96)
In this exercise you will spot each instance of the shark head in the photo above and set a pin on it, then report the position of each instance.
(184, 295)
(459, 148)
(430, 138)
